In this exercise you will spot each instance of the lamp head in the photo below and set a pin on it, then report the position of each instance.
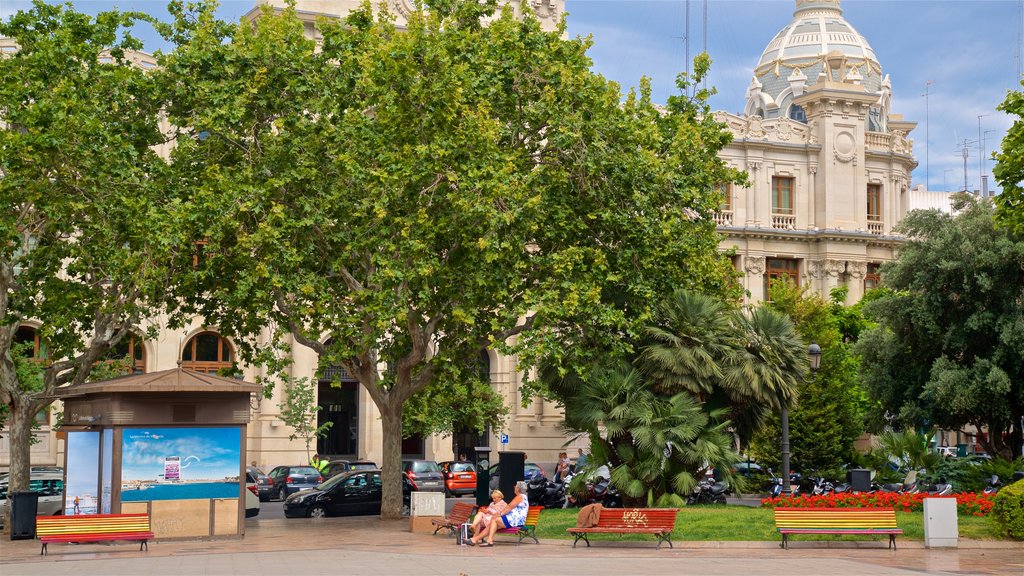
(814, 356)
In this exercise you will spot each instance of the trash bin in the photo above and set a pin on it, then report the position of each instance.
(24, 506)
(859, 479)
(961, 450)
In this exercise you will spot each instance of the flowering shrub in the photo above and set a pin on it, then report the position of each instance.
(967, 503)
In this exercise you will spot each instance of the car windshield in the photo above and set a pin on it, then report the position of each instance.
(364, 466)
(332, 482)
(462, 467)
(307, 470)
(419, 466)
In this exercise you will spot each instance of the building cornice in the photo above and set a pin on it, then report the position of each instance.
(812, 236)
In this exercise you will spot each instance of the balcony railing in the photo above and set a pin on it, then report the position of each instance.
(723, 218)
(878, 140)
(875, 228)
(783, 222)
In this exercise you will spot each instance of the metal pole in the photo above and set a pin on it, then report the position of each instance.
(785, 452)
(981, 150)
(927, 136)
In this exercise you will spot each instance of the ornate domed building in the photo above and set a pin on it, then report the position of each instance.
(829, 163)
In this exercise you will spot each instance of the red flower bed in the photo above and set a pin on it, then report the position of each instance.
(968, 503)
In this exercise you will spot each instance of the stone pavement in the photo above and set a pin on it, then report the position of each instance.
(370, 546)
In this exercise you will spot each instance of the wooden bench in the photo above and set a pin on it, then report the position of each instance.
(94, 528)
(658, 521)
(528, 529)
(458, 516)
(836, 521)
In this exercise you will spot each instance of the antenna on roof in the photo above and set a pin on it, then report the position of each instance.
(686, 38)
(1020, 42)
(705, 83)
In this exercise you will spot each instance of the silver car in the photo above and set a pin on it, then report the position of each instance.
(423, 475)
(49, 483)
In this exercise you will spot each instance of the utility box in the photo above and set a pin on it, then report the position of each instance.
(940, 523)
(859, 479)
(424, 508)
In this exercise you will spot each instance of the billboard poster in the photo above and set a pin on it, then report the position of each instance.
(83, 474)
(180, 463)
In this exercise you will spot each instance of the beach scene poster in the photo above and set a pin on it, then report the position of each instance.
(180, 463)
(83, 474)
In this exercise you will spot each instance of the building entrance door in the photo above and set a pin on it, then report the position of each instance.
(339, 404)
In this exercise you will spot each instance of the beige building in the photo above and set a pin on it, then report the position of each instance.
(829, 165)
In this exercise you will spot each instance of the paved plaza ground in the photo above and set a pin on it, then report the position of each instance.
(367, 545)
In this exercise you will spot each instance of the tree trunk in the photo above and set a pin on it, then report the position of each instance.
(391, 466)
(20, 440)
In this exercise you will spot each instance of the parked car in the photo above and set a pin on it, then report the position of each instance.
(49, 482)
(351, 492)
(252, 495)
(290, 479)
(264, 485)
(338, 466)
(423, 475)
(459, 478)
(746, 468)
(530, 471)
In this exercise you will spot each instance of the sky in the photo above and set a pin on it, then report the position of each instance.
(966, 49)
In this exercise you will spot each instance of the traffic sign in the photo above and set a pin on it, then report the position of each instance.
(504, 438)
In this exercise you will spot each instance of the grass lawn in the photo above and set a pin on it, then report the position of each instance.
(749, 524)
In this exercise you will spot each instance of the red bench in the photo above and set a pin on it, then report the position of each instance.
(94, 528)
(657, 521)
(458, 516)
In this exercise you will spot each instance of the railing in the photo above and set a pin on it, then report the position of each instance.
(783, 222)
(875, 227)
(878, 140)
(723, 218)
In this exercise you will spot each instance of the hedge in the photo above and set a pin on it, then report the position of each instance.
(1008, 510)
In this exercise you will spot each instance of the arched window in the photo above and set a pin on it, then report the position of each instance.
(207, 352)
(132, 348)
(797, 113)
(33, 346)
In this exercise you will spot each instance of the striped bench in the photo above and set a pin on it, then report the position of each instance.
(836, 521)
(527, 530)
(658, 521)
(458, 516)
(94, 528)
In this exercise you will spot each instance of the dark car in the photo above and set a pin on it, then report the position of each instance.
(459, 478)
(264, 485)
(338, 466)
(290, 479)
(423, 475)
(351, 492)
(530, 471)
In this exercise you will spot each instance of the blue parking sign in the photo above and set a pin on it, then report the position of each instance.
(504, 438)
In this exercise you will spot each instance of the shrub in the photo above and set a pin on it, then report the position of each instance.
(1008, 510)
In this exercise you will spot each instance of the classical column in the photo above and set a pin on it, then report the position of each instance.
(754, 280)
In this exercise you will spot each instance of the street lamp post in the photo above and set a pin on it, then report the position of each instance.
(814, 359)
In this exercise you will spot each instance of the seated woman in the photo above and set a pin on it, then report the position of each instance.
(483, 517)
(513, 515)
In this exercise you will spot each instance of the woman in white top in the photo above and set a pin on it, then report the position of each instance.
(513, 516)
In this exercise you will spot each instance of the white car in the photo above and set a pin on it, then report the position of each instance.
(252, 498)
(49, 483)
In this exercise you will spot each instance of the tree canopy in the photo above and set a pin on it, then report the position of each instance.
(407, 198)
(1009, 168)
(85, 237)
(949, 347)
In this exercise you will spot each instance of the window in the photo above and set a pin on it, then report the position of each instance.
(782, 195)
(780, 269)
(875, 202)
(797, 113)
(132, 349)
(725, 189)
(207, 352)
(872, 278)
(34, 347)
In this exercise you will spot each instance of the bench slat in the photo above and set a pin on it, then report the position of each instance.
(836, 521)
(93, 528)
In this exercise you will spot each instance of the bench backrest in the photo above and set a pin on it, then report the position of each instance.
(835, 518)
(638, 518)
(92, 524)
(461, 512)
(533, 515)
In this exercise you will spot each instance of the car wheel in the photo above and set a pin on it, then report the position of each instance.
(317, 512)
(282, 494)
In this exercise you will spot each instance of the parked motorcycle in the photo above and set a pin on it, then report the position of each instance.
(909, 485)
(708, 492)
(994, 484)
(940, 488)
(543, 492)
(597, 490)
(776, 489)
(821, 487)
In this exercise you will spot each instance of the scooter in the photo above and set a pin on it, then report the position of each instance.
(940, 488)
(909, 485)
(776, 489)
(994, 484)
(598, 490)
(821, 487)
(542, 492)
(708, 492)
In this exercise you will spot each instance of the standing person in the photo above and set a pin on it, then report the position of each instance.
(78, 510)
(562, 467)
(581, 460)
(513, 516)
(318, 463)
(462, 457)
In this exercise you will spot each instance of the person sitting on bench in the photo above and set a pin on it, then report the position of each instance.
(512, 516)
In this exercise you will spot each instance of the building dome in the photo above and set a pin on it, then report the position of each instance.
(796, 58)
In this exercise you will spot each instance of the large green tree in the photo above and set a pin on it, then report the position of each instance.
(949, 347)
(399, 200)
(84, 246)
(1009, 168)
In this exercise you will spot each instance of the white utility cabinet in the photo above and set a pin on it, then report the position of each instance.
(940, 523)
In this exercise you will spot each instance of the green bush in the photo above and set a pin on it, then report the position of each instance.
(1008, 511)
